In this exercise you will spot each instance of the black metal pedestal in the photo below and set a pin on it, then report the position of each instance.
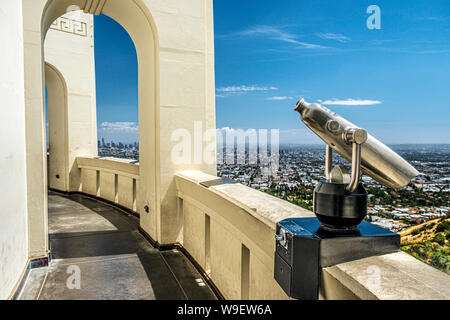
(337, 208)
(303, 247)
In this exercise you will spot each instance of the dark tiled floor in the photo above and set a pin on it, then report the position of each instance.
(103, 245)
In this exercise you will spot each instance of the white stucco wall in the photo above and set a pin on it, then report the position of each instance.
(13, 190)
(69, 47)
(187, 94)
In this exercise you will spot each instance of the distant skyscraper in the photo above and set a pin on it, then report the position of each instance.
(103, 142)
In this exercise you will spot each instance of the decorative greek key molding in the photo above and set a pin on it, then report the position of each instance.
(70, 26)
(94, 6)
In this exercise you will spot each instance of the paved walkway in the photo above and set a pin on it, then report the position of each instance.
(113, 259)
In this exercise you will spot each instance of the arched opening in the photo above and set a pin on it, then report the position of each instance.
(57, 137)
(116, 90)
(136, 19)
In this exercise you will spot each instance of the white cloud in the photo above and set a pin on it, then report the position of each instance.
(245, 89)
(350, 102)
(333, 36)
(277, 33)
(239, 90)
(126, 132)
(232, 130)
(280, 98)
(110, 127)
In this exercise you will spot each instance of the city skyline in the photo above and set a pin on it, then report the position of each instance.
(286, 144)
(392, 82)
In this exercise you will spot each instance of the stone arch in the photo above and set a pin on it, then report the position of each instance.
(58, 167)
(135, 18)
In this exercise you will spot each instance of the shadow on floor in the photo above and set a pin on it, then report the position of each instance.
(98, 247)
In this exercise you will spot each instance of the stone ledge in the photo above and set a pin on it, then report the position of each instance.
(112, 165)
(264, 207)
(394, 276)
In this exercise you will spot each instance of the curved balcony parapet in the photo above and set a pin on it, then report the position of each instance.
(113, 179)
(238, 249)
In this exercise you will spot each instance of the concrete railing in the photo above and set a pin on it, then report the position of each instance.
(115, 180)
(229, 230)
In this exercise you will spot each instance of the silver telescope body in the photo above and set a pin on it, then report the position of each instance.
(377, 160)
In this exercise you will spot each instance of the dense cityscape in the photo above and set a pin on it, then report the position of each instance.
(118, 150)
(300, 167)
(418, 212)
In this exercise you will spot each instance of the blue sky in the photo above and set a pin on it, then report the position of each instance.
(394, 81)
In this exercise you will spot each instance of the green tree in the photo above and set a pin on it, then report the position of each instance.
(441, 262)
(443, 226)
(439, 238)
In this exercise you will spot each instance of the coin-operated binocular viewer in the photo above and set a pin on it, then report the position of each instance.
(338, 234)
